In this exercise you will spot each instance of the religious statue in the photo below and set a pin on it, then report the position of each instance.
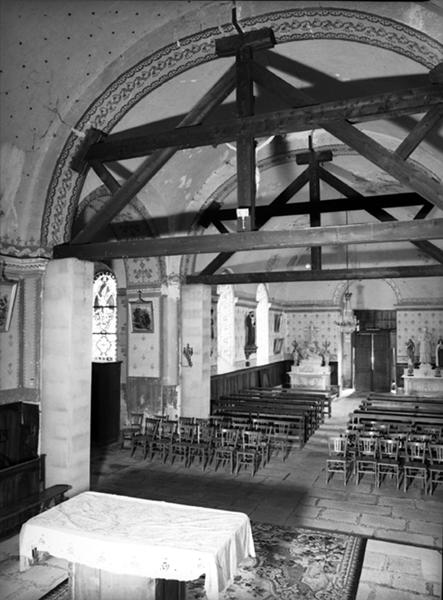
(325, 352)
(410, 350)
(250, 328)
(425, 347)
(250, 345)
(296, 352)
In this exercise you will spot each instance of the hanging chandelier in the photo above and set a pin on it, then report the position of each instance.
(349, 321)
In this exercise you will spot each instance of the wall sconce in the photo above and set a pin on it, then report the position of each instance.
(188, 351)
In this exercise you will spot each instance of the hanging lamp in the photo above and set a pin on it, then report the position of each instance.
(348, 322)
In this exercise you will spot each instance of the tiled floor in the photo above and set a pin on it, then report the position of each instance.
(404, 530)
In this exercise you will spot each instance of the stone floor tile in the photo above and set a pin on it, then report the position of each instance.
(340, 516)
(355, 507)
(383, 522)
(415, 539)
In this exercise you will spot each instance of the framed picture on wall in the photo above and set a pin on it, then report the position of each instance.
(142, 317)
(277, 323)
(278, 343)
(8, 292)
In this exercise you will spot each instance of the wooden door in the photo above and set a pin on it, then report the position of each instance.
(372, 361)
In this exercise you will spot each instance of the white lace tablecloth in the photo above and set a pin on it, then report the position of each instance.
(146, 538)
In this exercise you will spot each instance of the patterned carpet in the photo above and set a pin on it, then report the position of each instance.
(300, 563)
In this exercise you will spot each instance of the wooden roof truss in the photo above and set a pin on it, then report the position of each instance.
(101, 152)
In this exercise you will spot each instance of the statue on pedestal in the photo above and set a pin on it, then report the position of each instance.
(410, 350)
(425, 347)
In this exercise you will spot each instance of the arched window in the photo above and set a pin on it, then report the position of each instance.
(104, 317)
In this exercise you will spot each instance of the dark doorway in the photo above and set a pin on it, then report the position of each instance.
(372, 361)
(374, 350)
(105, 403)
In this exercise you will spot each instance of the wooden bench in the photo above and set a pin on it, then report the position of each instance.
(424, 408)
(313, 408)
(324, 397)
(286, 398)
(299, 417)
(394, 402)
(32, 505)
(296, 423)
(396, 418)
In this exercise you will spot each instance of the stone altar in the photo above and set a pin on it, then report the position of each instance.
(423, 381)
(310, 374)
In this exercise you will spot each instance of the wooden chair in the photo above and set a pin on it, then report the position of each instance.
(145, 439)
(249, 452)
(265, 426)
(415, 466)
(186, 421)
(134, 426)
(202, 447)
(161, 442)
(435, 467)
(279, 438)
(339, 460)
(182, 441)
(388, 461)
(366, 458)
(226, 442)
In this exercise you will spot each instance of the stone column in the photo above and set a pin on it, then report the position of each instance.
(66, 372)
(196, 335)
(169, 369)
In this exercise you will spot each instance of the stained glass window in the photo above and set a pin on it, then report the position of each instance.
(104, 317)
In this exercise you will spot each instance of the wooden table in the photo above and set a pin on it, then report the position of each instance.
(122, 547)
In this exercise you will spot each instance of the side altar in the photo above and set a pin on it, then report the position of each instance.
(309, 373)
(423, 381)
(311, 363)
(426, 380)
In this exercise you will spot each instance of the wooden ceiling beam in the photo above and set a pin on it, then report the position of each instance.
(382, 215)
(314, 275)
(406, 173)
(300, 181)
(150, 166)
(245, 156)
(302, 118)
(419, 132)
(329, 206)
(360, 233)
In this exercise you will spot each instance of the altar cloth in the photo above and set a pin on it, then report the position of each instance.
(146, 538)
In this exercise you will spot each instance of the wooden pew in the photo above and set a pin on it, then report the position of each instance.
(297, 431)
(258, 406)
(314, 406)
(412, 419)
(393, 401)
(325, 397)
(405, 408)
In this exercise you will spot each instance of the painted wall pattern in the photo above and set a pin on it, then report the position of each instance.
(325, 329)
(145, 271)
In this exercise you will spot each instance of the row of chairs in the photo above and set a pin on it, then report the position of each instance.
(237, 444)
(381, 457)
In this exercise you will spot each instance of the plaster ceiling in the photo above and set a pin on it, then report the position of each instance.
(58, 58)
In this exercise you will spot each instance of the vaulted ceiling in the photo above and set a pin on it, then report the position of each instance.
(324, 124)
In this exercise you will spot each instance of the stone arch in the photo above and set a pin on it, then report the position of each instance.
(342, 286)
(167, 62)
